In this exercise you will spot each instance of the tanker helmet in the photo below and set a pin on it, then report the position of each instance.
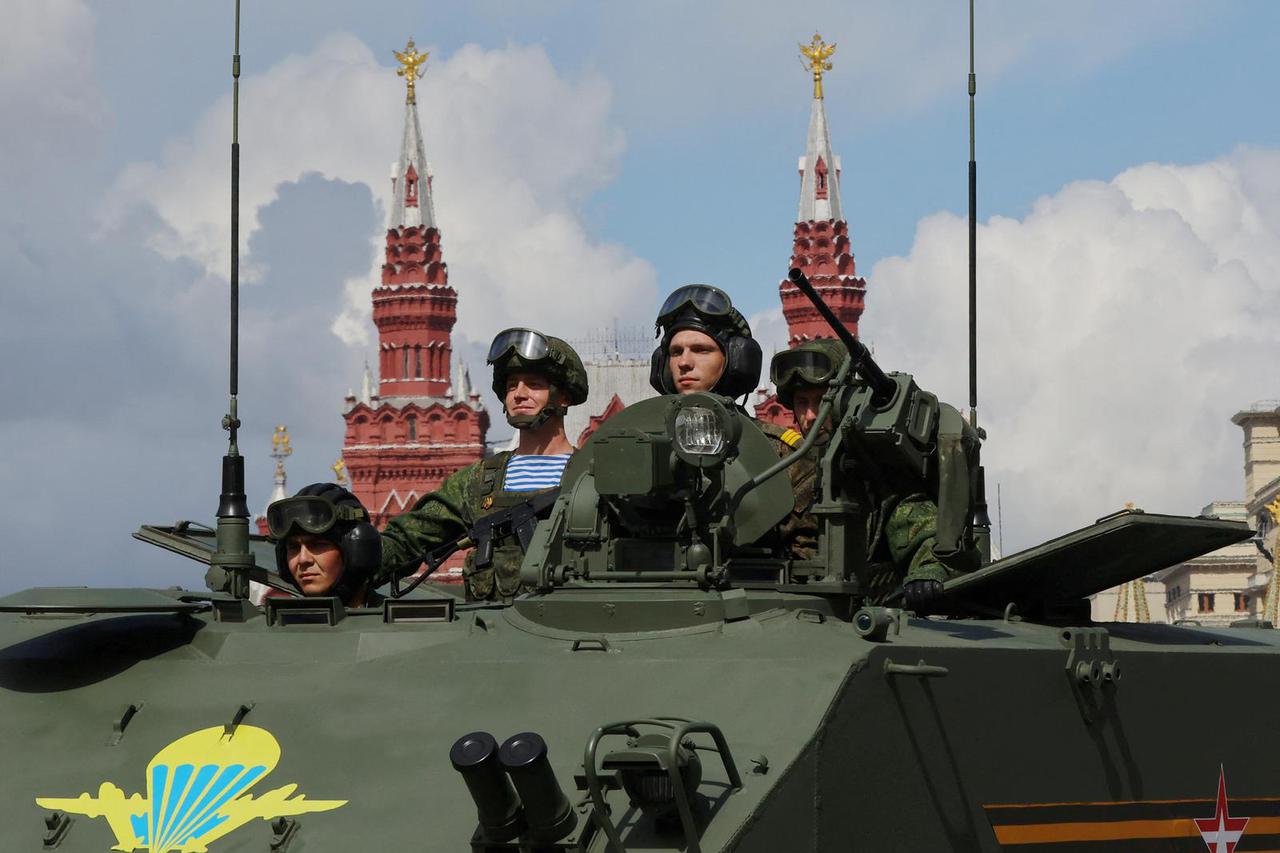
(331, 512)
(709, 310)
(812, 364)
(526, 350)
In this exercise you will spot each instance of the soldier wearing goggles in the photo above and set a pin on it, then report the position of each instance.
(537, 377)
(325, 544)
(705, 345)
(901, 521)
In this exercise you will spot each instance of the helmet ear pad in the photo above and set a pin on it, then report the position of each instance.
(742, 361)
(361, 548)
(282, 563)
(660, 370)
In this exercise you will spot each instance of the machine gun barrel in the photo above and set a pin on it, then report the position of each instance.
(882, 387)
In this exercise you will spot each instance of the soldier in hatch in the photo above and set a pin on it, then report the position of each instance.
(706, 345)
(901, 529)
(325, 544)
(538, 378)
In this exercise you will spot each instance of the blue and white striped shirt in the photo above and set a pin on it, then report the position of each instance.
(529, 473)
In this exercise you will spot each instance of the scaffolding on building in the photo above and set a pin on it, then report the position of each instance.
(615, 343)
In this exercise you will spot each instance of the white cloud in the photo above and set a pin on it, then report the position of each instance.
(48, 94)
(515, 147)
(1122, 324)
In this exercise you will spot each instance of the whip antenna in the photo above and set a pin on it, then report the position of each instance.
(973, 240)
(231, 560)
(981, 518)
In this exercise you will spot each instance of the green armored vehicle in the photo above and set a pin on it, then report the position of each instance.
(673, 683)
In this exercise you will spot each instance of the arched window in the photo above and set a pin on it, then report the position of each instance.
(820, 178)
(405, 371)
(411, 187)
(411, 423)
(417, 362)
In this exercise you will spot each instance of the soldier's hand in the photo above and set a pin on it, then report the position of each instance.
(920, 595)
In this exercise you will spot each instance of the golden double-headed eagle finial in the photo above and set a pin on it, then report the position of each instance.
(280, 446)
(818, 53)
(410, 59)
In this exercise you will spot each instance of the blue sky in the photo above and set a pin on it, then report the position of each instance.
(599, 155)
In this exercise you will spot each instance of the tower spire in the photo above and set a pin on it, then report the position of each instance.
(411, 203)
(819, 168)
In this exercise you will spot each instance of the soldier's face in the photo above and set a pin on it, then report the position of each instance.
(314, 562)
(695, 360)
(528, 394)
(807, 401)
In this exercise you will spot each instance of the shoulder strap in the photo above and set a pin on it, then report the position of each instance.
(791, 437)
(489, 478)
(786, 435)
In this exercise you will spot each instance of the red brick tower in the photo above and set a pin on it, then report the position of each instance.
(821, 243)
(423, 422)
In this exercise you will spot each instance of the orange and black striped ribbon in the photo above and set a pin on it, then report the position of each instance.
(1135, 826)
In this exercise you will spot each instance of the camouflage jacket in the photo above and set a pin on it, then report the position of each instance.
(900, 530)
(446, 514)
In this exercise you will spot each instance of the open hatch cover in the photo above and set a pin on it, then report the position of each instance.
(1122, 547)
(198, 542)
(80, 599)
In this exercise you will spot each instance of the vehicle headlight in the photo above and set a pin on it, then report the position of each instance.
(699, 432)
(703, 430)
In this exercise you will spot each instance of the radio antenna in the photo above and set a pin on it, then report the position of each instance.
(231, 560)
(973, 239)
(981, 517)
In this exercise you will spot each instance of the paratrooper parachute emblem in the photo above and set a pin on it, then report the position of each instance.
(197, 792)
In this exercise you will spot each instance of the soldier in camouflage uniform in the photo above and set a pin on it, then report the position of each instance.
(901, 528)
(537, 377)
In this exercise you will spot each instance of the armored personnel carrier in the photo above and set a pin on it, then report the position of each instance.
(671, 684)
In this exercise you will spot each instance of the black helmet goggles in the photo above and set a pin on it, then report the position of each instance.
(807, 366)
(526, 343)
(309, 514)
(711, 302)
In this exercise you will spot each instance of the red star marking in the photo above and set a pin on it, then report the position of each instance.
(1221, 833)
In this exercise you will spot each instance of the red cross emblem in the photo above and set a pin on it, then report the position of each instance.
(1221, 833)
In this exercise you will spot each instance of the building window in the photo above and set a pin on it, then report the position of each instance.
(417, 362)
(411, 187)
(1242, 602)
(820, 179)
(1205, 600)
(405, 372)
(412, 423)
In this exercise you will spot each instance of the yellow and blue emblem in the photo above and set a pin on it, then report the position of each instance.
(197, 791)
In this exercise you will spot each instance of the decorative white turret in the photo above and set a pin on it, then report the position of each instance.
(366, 386)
